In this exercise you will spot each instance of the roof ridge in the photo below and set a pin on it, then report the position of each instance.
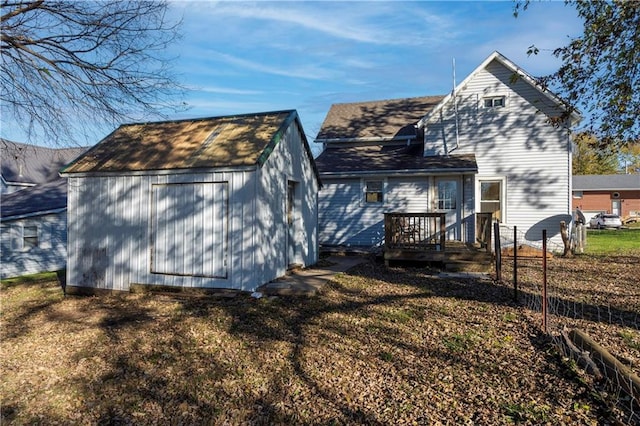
(215, 117)
(411, 98)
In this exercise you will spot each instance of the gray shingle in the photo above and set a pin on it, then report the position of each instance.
(605, 182)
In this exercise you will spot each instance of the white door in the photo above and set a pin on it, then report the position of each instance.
(291, 224)
(615, 207)
(448, 199)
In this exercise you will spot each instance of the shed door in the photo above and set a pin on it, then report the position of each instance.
(448, 200)
(190, 229)
(291, 224)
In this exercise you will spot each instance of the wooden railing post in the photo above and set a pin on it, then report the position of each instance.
(443, 230)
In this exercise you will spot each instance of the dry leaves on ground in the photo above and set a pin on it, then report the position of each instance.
(377, 346)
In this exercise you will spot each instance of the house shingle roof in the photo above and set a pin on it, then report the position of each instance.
(386, 119)
(31, 164)
(33, 200)
(239, 140)
(606, 182)
(385, 157)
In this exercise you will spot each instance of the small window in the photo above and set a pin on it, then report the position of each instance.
(447, 194)
(491, 198)
(577, 194)
(494, 102)
(373, 191)
(30, 237)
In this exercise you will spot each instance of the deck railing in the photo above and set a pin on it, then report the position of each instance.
(415, 231)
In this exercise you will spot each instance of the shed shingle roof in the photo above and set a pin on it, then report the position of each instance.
(390, 158)
(239, 140)
(386, 119)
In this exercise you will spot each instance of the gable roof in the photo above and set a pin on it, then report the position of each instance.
(32, 164)
(226, 141)
(606, 182)
(48, 197)
(497, 56)
(375, 120)
(385, 158)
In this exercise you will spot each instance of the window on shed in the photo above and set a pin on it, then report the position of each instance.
(29, 236)
(577, 194)
(494, 102)
(373, 191)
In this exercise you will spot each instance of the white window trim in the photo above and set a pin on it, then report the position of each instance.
(503, 194)
(363, 191)
(505, 102)
(23, 247)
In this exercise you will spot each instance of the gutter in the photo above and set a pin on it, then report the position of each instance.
(407, 172)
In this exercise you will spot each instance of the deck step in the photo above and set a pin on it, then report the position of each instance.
(466, 266)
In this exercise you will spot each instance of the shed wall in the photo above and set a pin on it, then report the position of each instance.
(288, 162)
(110, 231)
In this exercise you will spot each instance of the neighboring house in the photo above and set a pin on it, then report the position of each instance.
(33, 203)
(222, 202)
(491, 151)
(615, 194)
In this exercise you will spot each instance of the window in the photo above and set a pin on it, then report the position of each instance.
(577, 194)
(491, 198)
(447, 194)
(373, 191)
(30, 237)
(494, 102)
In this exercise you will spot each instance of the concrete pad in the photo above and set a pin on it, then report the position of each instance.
(307, 282)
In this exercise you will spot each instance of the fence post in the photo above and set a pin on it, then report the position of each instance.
(515, 263)
(544, 280)
(496, 234)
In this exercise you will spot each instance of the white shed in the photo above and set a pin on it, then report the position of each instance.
(223, 202)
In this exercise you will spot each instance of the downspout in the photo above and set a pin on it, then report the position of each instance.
(455, 106)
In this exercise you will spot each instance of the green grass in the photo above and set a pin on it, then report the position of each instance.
(26, 279)
(613, 241)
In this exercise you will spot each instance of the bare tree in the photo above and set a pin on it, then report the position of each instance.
(69, 66)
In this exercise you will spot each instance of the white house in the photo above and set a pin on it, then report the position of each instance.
(222, 202)
(33, 204)
(498, 144)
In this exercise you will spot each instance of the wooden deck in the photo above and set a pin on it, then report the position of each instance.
(421, 237)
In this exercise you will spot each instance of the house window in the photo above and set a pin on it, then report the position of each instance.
(447, 194)
(494, 102)
(373, 191)
(29, 237)
(577, 194)
(491, 198)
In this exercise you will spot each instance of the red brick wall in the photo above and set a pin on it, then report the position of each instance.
(601, 200)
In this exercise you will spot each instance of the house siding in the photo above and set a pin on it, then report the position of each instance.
(51, 253)
(515, 143)
(345, 219)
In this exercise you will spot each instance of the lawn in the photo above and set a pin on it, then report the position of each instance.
(613, 241)
(377, 346)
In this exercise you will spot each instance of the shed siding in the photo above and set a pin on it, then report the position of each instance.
(514, 142)
(50, 255)
(345, 219)
(110, 231)
(288, 162)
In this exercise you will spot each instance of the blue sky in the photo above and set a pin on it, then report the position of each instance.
(241, 57)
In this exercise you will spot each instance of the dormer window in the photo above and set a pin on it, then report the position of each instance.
(494, 102)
